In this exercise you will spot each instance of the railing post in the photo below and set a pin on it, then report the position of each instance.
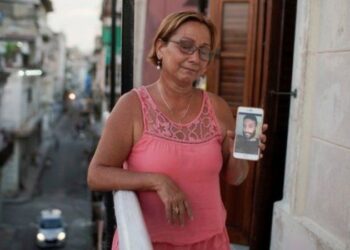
(108, 196)
(132, 231)
(127, 46)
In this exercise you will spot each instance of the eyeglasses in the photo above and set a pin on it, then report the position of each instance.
(188, 47)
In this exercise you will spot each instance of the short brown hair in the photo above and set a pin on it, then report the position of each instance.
(172, 22)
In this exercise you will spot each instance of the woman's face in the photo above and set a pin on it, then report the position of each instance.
(185, 56)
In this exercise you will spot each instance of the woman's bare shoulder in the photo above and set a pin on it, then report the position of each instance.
(219, 103)
(221, 109)
(129, 98)
(127, 103)
(125, 112)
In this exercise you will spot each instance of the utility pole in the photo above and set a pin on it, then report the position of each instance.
(127, 46)
(126, 85)
(110, 219)
(202, 5)
(113, 49)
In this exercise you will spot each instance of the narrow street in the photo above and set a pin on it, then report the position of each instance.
(62, 185)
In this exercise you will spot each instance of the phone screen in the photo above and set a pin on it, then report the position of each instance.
(248, 129)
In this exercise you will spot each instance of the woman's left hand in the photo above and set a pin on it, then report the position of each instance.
(263, 139)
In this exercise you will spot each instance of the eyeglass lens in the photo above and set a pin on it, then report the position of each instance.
(189, 48)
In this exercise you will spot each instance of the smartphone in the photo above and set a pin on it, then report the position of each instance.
(249, 121)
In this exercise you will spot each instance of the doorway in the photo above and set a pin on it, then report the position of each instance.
(253, 67)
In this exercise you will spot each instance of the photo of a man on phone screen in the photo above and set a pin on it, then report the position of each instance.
(247, 142)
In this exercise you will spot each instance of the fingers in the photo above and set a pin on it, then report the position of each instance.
(178, 217)
(230, 134)
(263, 140)
(175, 212)
(177, 209)
(265, 127)
(168, 212)
(262, 146)
(180, 212)
(189, 210)
(263, 137)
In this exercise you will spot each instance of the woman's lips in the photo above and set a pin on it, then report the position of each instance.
(189, 69)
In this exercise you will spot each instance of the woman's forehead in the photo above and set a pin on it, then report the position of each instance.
(195, 31)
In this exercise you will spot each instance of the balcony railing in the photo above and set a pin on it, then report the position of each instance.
(131, 227)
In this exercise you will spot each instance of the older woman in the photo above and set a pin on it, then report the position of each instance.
(170, 142)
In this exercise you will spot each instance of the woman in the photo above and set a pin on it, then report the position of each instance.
(170, 142)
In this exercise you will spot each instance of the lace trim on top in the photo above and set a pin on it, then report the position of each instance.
(203, 128)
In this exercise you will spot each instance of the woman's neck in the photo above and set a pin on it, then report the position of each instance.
(176, 99)
(174, 90)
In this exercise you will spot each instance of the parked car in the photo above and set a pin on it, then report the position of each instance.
(51, 229)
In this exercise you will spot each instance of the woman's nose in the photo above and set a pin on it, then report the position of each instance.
(195, 56)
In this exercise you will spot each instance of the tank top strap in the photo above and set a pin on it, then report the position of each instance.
(148, 107)
(211, 114)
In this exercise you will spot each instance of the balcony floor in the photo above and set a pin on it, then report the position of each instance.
(239, 247)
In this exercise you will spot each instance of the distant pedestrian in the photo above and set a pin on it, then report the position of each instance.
(36, 157)
(48, 162)
(78, 127)
(56, 142)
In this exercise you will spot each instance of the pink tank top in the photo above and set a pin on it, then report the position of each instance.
(191, 155)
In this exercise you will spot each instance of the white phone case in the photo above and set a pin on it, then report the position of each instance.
(249, 121)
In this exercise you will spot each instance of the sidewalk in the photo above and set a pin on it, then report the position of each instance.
(8, 233)
(34, 173)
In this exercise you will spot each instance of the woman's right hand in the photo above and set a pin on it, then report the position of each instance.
(176, 205)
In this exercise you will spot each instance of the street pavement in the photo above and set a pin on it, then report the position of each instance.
(59, 182)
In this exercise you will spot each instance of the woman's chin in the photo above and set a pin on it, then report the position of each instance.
(188, 79)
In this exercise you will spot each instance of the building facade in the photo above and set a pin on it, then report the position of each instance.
(315, 210)
(23, 37)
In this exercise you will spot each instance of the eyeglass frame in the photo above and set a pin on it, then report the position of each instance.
(194, 48)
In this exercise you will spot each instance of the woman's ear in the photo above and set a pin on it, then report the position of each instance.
(158, 46)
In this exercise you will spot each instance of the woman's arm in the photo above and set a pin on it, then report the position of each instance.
(234, 171)
(123, 128)
(105, 171)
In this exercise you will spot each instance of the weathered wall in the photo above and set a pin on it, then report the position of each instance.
(315, 210)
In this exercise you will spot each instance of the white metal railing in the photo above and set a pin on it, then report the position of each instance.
(131, 226)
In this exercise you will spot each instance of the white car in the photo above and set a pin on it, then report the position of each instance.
(51, 231)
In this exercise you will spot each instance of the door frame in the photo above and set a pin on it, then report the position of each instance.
(270, 68)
